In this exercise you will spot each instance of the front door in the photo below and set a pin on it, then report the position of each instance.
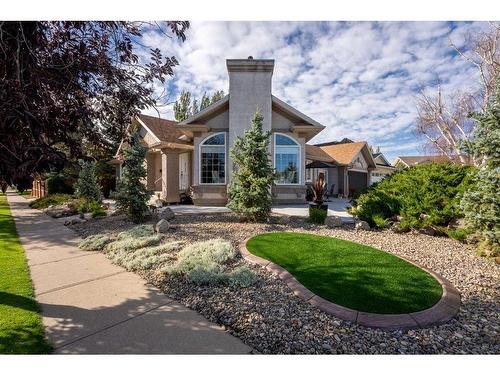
(184, 171)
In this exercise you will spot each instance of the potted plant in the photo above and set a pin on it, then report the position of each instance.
(318, 189)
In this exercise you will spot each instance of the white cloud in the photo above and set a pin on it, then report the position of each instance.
(359, 79)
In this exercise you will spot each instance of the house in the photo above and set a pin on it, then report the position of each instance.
(346, 165)
(383, 168)
(194, 154)
(410, 161)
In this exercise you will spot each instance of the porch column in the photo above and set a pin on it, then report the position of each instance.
(170, 176)
(163, 175)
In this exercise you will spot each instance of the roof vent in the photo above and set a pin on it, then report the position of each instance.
(250, 57)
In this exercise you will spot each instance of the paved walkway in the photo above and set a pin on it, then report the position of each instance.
(92, 306)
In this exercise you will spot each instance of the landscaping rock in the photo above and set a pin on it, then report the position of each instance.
(60, 211)
(333, 222)
(162, 226)
(430, 231)
(362, 225)
(261, 314)
(165, 213)
(74, 221)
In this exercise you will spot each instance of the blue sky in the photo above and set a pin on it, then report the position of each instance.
(359, 79)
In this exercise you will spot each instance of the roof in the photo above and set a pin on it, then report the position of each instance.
(316, 153)
(344, 140)
(425, 159)
(344, 153)
(164, 130)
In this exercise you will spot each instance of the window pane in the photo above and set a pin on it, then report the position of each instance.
(212, 165)
(215, 140)
(286, 162)
(281, 140)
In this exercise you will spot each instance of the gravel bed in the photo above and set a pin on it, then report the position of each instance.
(270, 319)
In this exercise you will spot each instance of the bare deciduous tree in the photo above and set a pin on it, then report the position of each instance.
(445, 124)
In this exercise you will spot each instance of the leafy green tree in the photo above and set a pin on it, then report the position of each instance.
(87, 185)
(218, 95)
(205, 101)
(194, 107)
(182, 106)
(481, 204)
(132, 194)
(68, 85)
(250, 189)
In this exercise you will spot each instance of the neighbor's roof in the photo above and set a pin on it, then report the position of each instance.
(164, 130)
(344, 153)
(425, 159)
(316, 153)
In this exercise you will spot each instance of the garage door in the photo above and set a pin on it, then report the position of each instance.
(357, 181)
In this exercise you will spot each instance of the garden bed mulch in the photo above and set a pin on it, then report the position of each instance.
(271, 319)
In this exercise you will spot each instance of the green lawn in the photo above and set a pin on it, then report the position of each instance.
(349, 274)
(21, 329)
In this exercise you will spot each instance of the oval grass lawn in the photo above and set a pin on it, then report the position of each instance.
(350, 274)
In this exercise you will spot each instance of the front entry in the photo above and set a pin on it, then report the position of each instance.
(184, 171)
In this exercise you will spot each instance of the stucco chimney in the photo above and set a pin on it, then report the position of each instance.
(249, 89)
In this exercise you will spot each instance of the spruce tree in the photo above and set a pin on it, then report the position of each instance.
(132, 195)
(481, 204)
(87, 185)
(250, 189)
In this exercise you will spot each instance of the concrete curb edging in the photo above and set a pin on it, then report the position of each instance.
(443, 311)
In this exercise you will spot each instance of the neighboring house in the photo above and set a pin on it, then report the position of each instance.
(195, 153)
(410, 161)
(346, 165)
(383, 169)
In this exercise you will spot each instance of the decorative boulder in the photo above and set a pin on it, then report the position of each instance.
(429, 231)
(166, 213)
(362, 225)
(333, 221)
(162, 226)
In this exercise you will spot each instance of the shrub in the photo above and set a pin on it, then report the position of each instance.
(87, 185)
(95, 243)
(51, 200)
(132, 195)
(481, 204)
(207, 274)
(130, 243)
(317, 215)
(137, 231)
(242, 277)
(458, 234)
(205, 254)
(100, 212)
(144, 258)
(423, 195)
(379, 221)
(59, 183)
(250, 190)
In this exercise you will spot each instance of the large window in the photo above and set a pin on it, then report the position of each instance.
(213, 159)
(286, 160)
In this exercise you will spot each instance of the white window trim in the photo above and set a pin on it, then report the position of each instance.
(299, 169)
(200, 159)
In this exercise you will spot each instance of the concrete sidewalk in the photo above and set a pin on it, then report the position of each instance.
(92, 306)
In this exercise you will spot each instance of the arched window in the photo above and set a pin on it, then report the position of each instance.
(213, 159)
(286, 160)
